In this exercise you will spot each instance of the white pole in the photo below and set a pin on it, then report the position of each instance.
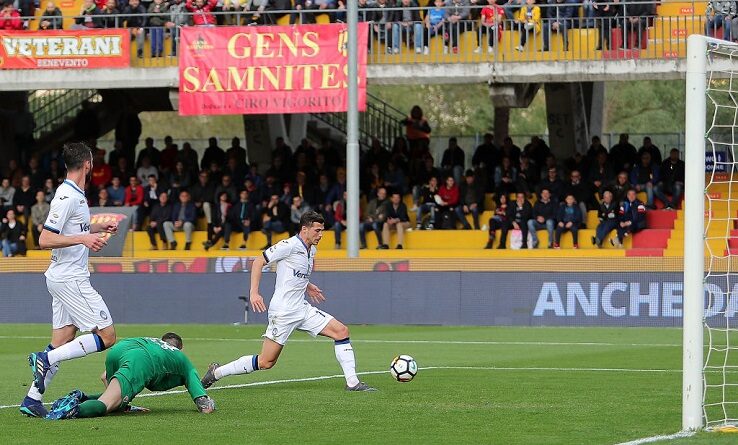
(694, 227)
(352, 133)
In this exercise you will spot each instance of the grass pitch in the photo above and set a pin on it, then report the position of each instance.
(475, 385)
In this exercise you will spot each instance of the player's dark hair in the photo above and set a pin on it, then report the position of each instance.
(308, 218)
(75, 154)
(173, 339)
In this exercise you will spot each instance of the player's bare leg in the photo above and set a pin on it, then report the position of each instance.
(270, 351)
(345, 354)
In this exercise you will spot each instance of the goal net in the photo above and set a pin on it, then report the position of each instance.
(710, 391)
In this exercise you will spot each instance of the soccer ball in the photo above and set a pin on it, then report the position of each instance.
(403, 368)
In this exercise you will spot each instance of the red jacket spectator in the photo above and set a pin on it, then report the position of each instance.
(494, 16)
(10, 18)
(449, 195)
(202, 12)
(133, 197)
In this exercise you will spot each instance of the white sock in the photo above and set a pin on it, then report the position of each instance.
(79, 347)
(345, 357)
(244, 365)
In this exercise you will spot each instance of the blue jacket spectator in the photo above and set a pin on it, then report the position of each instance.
(632, 217)
(645, 176)
(569, 218)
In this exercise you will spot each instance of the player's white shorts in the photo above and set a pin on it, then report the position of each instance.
(311, 320)
(75, 302)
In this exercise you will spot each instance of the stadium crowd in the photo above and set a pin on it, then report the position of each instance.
(392, 21)
(172, 186)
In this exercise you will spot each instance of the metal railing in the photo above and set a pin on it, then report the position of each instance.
(53, 108)
(631, 34)
(380, 121)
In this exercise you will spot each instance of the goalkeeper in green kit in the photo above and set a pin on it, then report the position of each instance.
(132, 365)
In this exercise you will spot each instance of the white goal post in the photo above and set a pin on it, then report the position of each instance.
(710, 374)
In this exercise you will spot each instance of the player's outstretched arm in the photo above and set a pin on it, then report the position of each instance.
(51, 240)
(257, 301)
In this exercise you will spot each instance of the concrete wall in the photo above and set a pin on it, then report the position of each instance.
(439, 298)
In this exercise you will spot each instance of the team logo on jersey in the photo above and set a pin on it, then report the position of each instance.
(62, 198)
(82, 201)
(103, 315)
(55, 215)
(274, 332)
(298, 274)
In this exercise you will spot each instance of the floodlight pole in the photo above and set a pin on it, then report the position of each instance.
(352, 133)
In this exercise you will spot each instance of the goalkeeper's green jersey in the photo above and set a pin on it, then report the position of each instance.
(153, 364)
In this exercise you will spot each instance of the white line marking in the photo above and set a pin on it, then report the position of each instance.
(679, 435)
(426, 368)
(430, 342)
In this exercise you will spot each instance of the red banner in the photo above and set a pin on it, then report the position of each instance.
(268, 69)
(109, 48)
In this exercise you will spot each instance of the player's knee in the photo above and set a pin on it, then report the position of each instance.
(342, 331)
(265, 363)
(108, 337)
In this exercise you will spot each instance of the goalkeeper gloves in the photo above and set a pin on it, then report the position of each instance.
(205, 404)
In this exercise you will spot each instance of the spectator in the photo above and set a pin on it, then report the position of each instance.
(24, 198)
(510, 150)
(6, 196)
(377, 154)
(608, 215)
(158, 17)
(582, 192)
(394, 178)
(102, 199)
(13, 235)
(101, 172)
(89, 16)
(134, 194)
(544, 217)
(110, 13)
(528, 176)
(486, 155)
(276, 216)
(235, 10)
(374, 217)
(569, 219)
(595, 148)
(10, 18)
(672, 181)
(423, 176)
(298, 207)
(498, 219)
(168, 155)
(505, 177)
(241, 216)
(122, 170)
(135, 19)
(161, 212)
(340, 219)
(374, 179)
(304, 190)
(435, 22)
(644, 176)
(620, 187)
(213, 154)
(448, 200)
(188, 156)
(559, 20)
(491, 25)
(537, 151)
(316, 6)
(239, 153)
(335, 193)
(236, 171)
(51, 18)
(527, 21)
(553, 184)
(408, 25)
(426, 203)
(151, 197)
(226, 185)
(49, 190)
(607, 12)
(632, 218)
(601, 174)
(577, 162)
(39, 213)
(149, 151)
(14, 172)
(116, 193)
(636, 22)
(511, 8)
(146, 169)
(719, 15)
(178, 17)
(457, 15)
(623, 154)
(381, 26)
(395, 217)
(653, 150)
(518, 215)
(220, 227)
(35, 173)
(452, 162)
(184, 216)
(471, 200)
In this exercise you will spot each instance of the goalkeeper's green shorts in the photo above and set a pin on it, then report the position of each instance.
(132, 368)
